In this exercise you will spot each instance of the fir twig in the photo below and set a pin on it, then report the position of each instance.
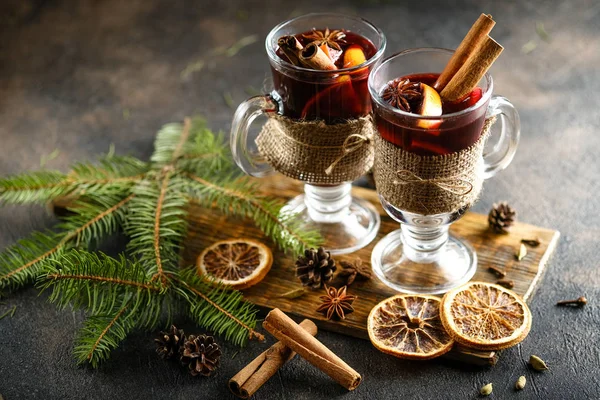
(232, 301)
(101, 334)
(22, 262)
(265, 212)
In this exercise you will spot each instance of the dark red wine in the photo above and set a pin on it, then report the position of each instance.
(443, 136)
(333, 100)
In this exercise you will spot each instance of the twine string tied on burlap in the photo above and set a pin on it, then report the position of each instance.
(352, 143)
(453, 184)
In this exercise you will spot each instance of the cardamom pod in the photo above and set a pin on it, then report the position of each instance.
(293, 294)
(520, 383)
(486, 390)
(537, 363)
(522, 252)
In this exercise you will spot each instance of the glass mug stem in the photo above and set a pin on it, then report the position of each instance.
(424, 245)
(328, 203)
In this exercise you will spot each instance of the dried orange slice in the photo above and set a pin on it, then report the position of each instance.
(485, 316)
(409, 326)
(239, 263)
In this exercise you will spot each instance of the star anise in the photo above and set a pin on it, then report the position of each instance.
(353, 270)
(333, 39)
(403, 94)
(336, 302)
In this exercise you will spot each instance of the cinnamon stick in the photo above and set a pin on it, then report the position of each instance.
(246, 382)
(478, 32)
(313, 57)
(291, 47)
(289, 333)
(467, 77)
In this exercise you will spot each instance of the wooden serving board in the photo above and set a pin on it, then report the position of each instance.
(207, 226)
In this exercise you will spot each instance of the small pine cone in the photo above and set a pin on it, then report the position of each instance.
(169, 343)
(315, 268)
(200, 354)
(501, 217)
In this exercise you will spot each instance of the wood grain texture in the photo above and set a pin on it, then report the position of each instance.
(493, 250)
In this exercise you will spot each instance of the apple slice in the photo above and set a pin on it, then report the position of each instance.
(431, 107)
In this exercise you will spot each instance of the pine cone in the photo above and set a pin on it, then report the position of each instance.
(315, 268)
(501, 217)
(169, 343)
(200, 354)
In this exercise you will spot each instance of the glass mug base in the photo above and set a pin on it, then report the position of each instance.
(454, 265)
(344, 230)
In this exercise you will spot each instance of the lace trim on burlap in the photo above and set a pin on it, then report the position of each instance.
(317, 153)
(429, 185)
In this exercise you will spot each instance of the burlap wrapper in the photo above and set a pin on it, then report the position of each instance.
(317, 153)
(429, 185)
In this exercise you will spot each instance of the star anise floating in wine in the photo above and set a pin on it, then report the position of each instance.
(336, 302)
(403, 94)
(333, 38)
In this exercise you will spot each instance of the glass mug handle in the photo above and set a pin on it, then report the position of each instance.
(251, 162)
(501, 154)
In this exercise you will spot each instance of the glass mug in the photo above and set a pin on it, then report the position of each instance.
(422, 257)
(345, 223)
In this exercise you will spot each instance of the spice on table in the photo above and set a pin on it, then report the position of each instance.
(486, 390)
(537, 363)
(315, 268)
(246, 382)
(169, 343)
(520, 384)
(293, 336)
(353, 270)
(579, 302)
(201, 355)
(507, 283)
(535, 242)
(336, 302)
(521, 253)
(501, 217)
(497, 271)
(293, 294)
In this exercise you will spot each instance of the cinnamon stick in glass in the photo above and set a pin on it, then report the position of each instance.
(313, 57)
(246, 382)
(291, 47)
(469, 75)
(478, 32)
(293, 336)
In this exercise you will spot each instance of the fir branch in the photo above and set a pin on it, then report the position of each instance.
(33, 187)
(113, 175)
(240, 198)
(218, 308)
(158, 225)
(103, 333)
(93, 281)
(193, 147)
(22, 262)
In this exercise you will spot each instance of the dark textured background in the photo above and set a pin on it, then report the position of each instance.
(79, 75)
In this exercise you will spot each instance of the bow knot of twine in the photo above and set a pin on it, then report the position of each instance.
(452, 184)
(352, 143)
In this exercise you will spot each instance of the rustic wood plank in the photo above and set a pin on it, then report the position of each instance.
(492, 249)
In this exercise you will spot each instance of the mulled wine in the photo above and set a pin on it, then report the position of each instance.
(428, 136)
(325, 95)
